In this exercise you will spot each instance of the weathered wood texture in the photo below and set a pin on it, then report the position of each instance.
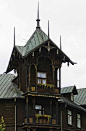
(23, 77)
(33, 75)
(45, 65)
(20, 111)
(7, 110)
(40, 62)
(67, 95)
(74, 118)
(7, 106)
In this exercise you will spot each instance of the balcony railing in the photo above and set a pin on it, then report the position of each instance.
(45, 89)
(40, 120)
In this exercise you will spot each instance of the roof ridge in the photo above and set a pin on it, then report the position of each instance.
(81, 88)
(6, 74)
(67, 87)
(27, 43)
(39, 36)
(75, 104)
(30, 38)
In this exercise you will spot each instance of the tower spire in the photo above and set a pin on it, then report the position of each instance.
(14, 36)
(48, 28)
(38, 20)
(60, 43)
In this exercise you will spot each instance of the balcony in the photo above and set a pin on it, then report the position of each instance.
(41, 120)
(48, 88)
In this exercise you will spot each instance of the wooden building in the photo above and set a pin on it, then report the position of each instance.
(32, 100)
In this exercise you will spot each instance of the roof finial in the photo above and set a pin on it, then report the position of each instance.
(48, 28)
(14, 36)
(38, 20)
(60, 43)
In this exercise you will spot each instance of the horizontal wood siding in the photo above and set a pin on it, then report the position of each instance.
(33, 75)
(20, 111)
(74, 118)
(23, 78)
(7, 110)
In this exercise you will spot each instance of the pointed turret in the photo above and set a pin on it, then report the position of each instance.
(14, 36)
(48, 29)
(60, 44)
(38, 20)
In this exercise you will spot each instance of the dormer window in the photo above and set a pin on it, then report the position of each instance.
(41, 77)
(72, 97)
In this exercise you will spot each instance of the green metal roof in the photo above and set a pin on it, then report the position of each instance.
(67, 89)
(36, 40)
(8, 89)
(80, 98)
(71, 103)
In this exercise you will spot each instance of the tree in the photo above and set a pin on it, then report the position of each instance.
(2, 124)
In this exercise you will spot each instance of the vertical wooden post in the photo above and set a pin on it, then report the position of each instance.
(19, 79)
(15, 114)
(36, 77)
(33, 109)
(28, 129)
(34, 129)
(51, 109)
(29, 79)
(53, 75)
(24, 113)
(57, 112)
(27, 113)
(50, 130)
(60, 80)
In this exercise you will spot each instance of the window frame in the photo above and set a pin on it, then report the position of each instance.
(69, 117)
(72, 97)
(41, 78)
(39, 110)
(79, 126)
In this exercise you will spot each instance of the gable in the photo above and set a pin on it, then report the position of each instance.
(37, 40)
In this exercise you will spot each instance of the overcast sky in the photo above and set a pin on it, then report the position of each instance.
(66, 17)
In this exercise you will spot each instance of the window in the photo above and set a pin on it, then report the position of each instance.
(39, 109)
(41, 77)
(78, 120)
(69, 117)
(72, 97)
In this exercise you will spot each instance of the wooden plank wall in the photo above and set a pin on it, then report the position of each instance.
(7, 110)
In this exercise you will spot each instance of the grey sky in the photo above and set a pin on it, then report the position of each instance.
(67, 18)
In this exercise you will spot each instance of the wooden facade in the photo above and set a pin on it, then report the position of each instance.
(42, 107)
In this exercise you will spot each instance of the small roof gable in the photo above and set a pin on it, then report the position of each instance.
(79, 98)
(7, 88)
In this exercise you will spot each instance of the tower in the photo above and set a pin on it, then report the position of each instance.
(38, 65)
